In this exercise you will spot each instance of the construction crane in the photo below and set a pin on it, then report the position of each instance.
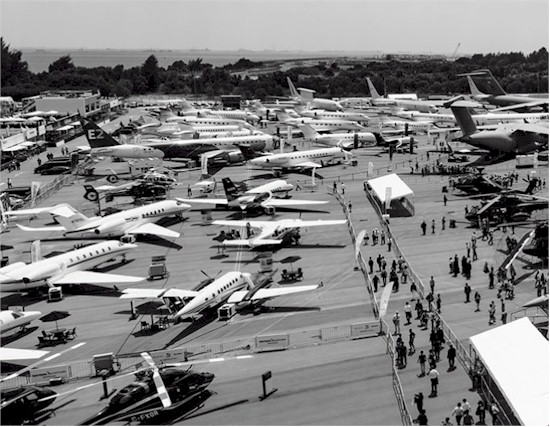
(453, 57)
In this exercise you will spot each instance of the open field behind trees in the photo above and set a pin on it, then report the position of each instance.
(338, 77)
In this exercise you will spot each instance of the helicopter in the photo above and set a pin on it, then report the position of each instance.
(475, 183)
(156, 392)
(26, 404)
(506, 207)
(533, 243)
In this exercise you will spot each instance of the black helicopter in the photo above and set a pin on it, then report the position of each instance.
(156, 393)
(533, 243)
(25, 405)
(505, 207)
(478, 182)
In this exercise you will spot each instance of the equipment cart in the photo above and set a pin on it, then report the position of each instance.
(158, 270)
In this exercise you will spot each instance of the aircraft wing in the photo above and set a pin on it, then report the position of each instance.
(56, 228)
(308, 165)
(251, 242)
(293, 202)
(20, 354)
(313, 223)
(93, 277)
(154, 229)
(522, 106)
(267, 293)
(63, 209)
(231, 223)
(133, 293)
(207, 201)
(531, 128)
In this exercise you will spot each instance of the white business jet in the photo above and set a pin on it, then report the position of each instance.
(10, 319)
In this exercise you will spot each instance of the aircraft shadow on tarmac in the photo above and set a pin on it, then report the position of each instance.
(158, 241)
(112, 266)
(276, 309)
(194, 326)
(5, 340)
(219, 408)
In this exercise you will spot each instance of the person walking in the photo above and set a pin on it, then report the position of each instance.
(384, 276)
(343, 188)
(494, 411)
(382, 237)
(480, 412)
(466, 405)
(396, 323)
(458, 412)
(419, 401)
(443, 221)
(349, 206)
(432, 285)
(444, 200)
(434, 380)
(375, 281)
(412, 335)
(492, 312)
(389, 244)
(371, 265)
(408, 312)
(451, 355)
(423, 226)
(433, 226)
(477, 299)
(422, 418)
(189, 191)
(467, 290)
(10, 185)
(422, 362)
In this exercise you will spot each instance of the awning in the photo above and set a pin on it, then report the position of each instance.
(77, 123)
(27, 144)
(64, 128)
(516, 357)
(14, 148)
(398, 187)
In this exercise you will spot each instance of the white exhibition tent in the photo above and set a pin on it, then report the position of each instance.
(401, 194)
(516, 357)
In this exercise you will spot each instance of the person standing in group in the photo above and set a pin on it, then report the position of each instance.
(434, 380)
(468, 420)
(371, 265)
(422, 362)
(375, 281)
(494, 411)
(408, 312)
(396, 323)
(492, 312)
(480, 412)
(343, 188)
(458, 412)
(422, 418)
(466, 405)
(438, 303)
(419, 402)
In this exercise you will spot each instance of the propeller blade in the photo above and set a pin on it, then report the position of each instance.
(161, 389)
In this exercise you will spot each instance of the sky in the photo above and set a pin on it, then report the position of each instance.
(431, 26)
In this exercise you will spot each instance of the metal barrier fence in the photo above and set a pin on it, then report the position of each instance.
(362, 265)
(463, 356)
(286, 341)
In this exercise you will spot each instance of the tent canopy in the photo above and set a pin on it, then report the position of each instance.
(516, 356)
(398, 187)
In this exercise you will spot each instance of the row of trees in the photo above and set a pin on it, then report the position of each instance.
(516, 72)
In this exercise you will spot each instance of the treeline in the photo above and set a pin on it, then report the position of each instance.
(516, 73)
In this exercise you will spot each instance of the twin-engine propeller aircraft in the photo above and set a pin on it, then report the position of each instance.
(232, 287)
(260, 198)
(272, 232)
(67, 268)
(131, 222)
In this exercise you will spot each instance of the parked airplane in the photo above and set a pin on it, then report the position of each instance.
(300, 160)
(479, 119)
(10, 319)
(103, 144)
(189, 110)
(334, 115)
(346, 140)
(272, 232)
(233, 287)
(193, 148)
(319, 125)
(256, 199)
(502, 143)
(131, 222)
(277, 186)
(305, 97)
(407, 104)
(67, 268)
(492, 93)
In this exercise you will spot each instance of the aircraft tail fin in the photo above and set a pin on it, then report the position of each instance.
(185, 105)
(283, 116)
(72, 222)
(464, 120)
(309, 132)
(97, 137)
(379, 139)
(231, 191)
(293, 92)
(373, 92)
(473, 88)
(36, 251)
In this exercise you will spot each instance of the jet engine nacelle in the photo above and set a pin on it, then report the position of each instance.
(42, 272)
(235, 157)
(109, 226)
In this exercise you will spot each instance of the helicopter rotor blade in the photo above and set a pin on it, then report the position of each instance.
(148, 359)
(161, 389)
